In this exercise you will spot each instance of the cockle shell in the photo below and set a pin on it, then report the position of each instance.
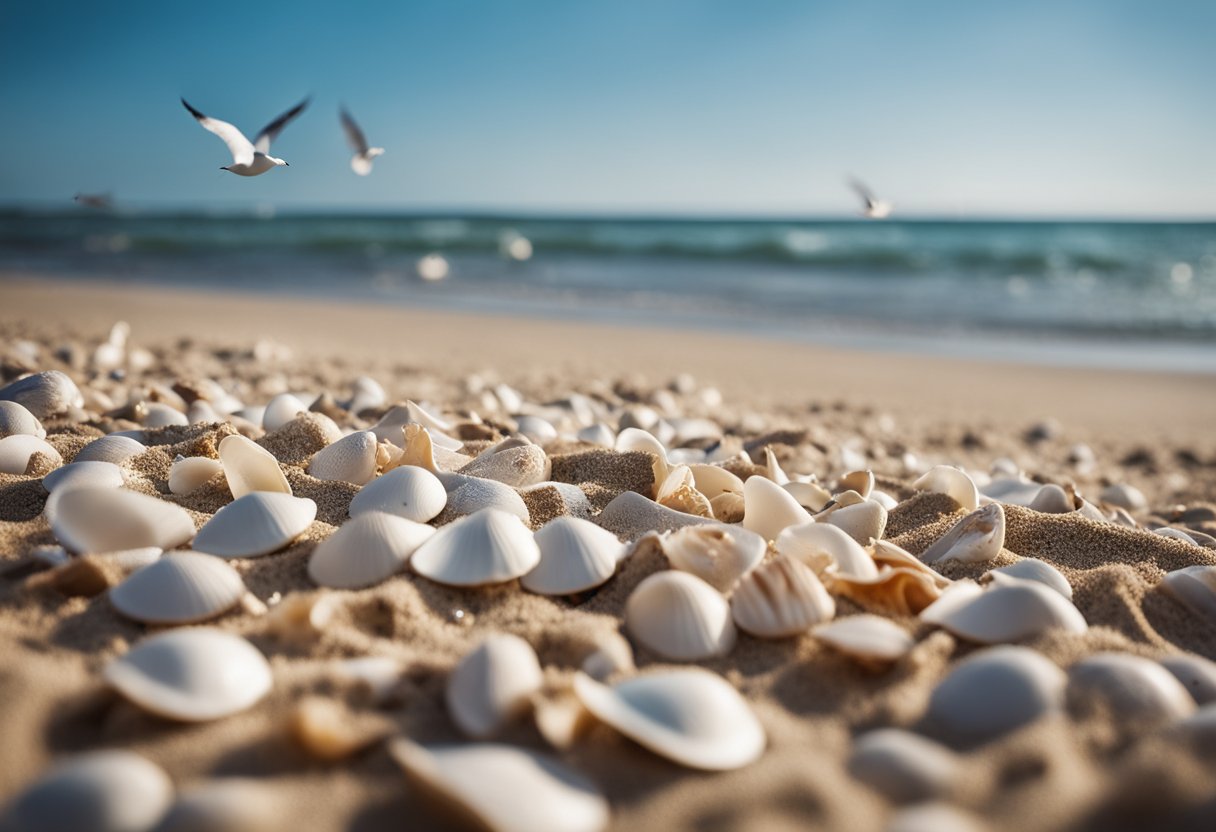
(1132, 689)
(44, 394)
(16, 420)
(492, 684)
(486, 547)
(469, 495)
(904, 767)
(249, 467)
(679, 616)
(281, 410)
(192, 675)
(863, 520)
(106, 519)
(1030, 569)
(517, 466)
(718, 554)
(630, 515)
(501, 788)
(780, 598)
(952, 482)
(16, 452)
(187, 474)
(769, 509)
(80, 474)
(825, 547)
(1007, 611)
(869, 638)
(179, 588)
(691, 716)
(1194, 586)
(112, 448)
(257, 524)
(369, 549)
(409, 491)
(101, 791)
(351, 459)
(575, 555)
(976, 538)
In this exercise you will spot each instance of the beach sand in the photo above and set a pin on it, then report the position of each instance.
(817, 408)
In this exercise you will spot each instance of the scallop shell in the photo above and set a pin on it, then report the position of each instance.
(904, 767)
(630, 515)
(16, 420)
(679, 616)
(81, 474)
(44, 394)
(105, 519)
(1197, 675)
(179, 588)
(487, 547)
(1194, 586)
(780, 598)
(101, 791)
(492, 684)
(351, 459)
(1030, 569)
(825, 547)
(17, 450)
(281, 410)
(976, 538)
(257, 524)
(112, 448)
(994, 691)
(863, 520)
(1005, 612)
(514, 466)
(226, 804)
(575, 555)
(769, 508)
(469, 495)
(717, 554)
(191, 675)
(249, 467)
(952, 482)
(368, 550)
(691, 716)
(868, 638)
(501, 788)
(409, 491)
(188, 474)
(1131, 689)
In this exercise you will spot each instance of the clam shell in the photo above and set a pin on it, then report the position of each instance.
(179, 588)
(717, 554)
(191, 675)
(492, 684)
(112, 448)
(501, 788)
(226, 805)
(80, 474)
(351, 459)
(409, 491)
(469, 495)
(825, 547)
(517, 467)
(92, 519)
(369, 549)
(17, 450)
(679, 616)
(160, 415)
(101, 791)
(994, 691)
(1008, 611)
(487, 547)
(249, 467)
(691, 716)
(1030, 569)
(16, 420)
(769, 508)
(44, 394)
(976, 538)
(1197, 675)
(952, 482)
(257, 524)
(1131, 689)
(188, 474)
(281, 410)
(630, 515)
(1194, 586)
(863, 520)
(575, 555)
(904, 767)
(780, 598)
(871, 638)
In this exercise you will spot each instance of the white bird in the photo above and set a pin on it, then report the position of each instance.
(248, 158)
(875, 208)
(361, 162)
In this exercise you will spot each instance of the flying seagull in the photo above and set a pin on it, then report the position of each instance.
(361, 162)
(248, 159)
(875, 208)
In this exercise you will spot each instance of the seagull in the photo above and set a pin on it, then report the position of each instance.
(876, 209)
(361, 162)
(248, 159)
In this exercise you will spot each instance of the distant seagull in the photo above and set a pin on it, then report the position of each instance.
(248, 159)
(876, 209)
(361, 162)
(102, 202)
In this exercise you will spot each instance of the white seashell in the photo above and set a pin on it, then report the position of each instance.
(680, 617)
(714, 480)
(16, 452)
(809, 495)
(92, 519)
(630, 515)
(80, 474)
(179, 588)
(189, 474)
(16, 420)
(44, 394)
(504, 788)
(249, 467)
(256, 524)
(860, 481)
(391, 424)
(222, 805)
(613, 655)
(160, 415)
(863, 521)
(677, 492)
(112, 448)
(409, 491)
(639, 417)
(281, 410)
(575, 555)
(1005, 612)
(492, 684)
(994, 691)
(870, 638)
(1197, 675)
(636, 439)
(432, 423)
(351, 459)
(1120, 494)
(904, 767)
(1131, 689)
(129, 560)
(366, 394)
(597, 434)
(691, 716)
(976, 538)
(1052, 499)
(952, 482)
(935, 817)
(780, 598)
(768, 508)
(718, 554)
(192, 675)
(773, 467)
(486, 547)
(202, 412)
(101, 791)
(573, 499)
(537, 429)
(1012, 490)
(378, 675)
(516, 466)
(368, 550)
(883, 499)
(1173, 534)
(1030, 569)
(469, 495)
(822, 547)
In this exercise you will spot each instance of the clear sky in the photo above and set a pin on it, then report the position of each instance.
(1035, 107)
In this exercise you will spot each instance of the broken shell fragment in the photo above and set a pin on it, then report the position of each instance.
(952, 482)
(105, 519)
(409, 491)
(870, 639)
(351, 459)
(366, 551)
(249, 467)
(780, 598)
(976, 538)
(863, 520)
(826, 548)
(486, 547)
(189, 474)
(575, 555)
(680, 617)
(769, 508)
(492, 684)
(179, 588)
(630, 515)
(717, 554)
(256, 524)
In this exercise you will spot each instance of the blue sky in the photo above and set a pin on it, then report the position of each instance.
(1093, 107)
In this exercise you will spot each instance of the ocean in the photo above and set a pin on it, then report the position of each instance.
(1119, 294)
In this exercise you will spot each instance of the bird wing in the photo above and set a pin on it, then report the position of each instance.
(354, 136)
(238, 145)
(865, 193)
(271, 131)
